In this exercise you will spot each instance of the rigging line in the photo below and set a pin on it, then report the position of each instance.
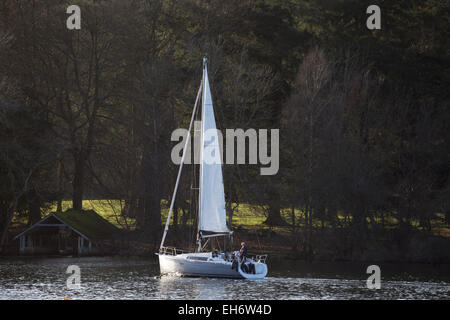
(166, 228)
(218, 244)
(190, 216)
(194, 196)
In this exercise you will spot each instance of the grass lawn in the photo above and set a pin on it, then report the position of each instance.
(245, 216)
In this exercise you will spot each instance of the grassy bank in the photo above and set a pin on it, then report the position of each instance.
(391, 242)
(245, 217)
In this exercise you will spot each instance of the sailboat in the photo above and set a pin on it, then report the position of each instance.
(211, 211)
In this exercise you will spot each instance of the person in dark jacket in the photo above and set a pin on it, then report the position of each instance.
(243, 251)
(234, 264)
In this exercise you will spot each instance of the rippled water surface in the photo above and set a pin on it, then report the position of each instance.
(121, 278)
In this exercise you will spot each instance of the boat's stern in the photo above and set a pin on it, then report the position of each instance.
(260, 268)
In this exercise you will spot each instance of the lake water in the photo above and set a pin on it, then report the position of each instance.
(121, 278)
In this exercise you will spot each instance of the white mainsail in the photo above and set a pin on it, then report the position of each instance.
(212, 215)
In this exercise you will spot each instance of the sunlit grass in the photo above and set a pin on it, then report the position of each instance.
(244, 216)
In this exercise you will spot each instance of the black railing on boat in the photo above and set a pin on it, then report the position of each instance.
(256, 258)
(259, 258)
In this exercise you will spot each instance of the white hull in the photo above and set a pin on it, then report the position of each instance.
(190, 265)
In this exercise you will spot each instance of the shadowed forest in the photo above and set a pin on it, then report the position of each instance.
(363, 116)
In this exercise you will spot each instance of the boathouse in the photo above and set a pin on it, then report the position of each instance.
(72, 232)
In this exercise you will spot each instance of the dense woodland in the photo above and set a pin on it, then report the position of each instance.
(363, 114)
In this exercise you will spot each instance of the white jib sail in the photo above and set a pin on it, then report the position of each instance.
(212, 215)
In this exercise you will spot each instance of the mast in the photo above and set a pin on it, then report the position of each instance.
(188, 138)
(199, 235)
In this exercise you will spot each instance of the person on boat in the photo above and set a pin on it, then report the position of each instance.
(251, 268)
(243, 252)
(235, 263)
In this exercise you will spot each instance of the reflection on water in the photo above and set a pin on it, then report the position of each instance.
(191, 288)
(120, 278)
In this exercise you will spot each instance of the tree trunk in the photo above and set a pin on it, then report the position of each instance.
(229, 209)
(78, 182)
(8, 212)
(60, 185)
(35, 211)
(175, 217)
(293, 218)
(150, 218)
(274, 218)
(333, 216)
(310, 235)
(185, 217)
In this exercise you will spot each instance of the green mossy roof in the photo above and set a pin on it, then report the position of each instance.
(89, 223)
